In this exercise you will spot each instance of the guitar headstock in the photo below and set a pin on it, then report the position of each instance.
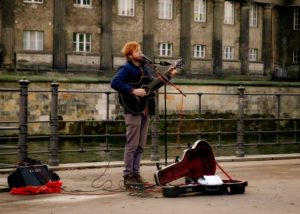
(179, 63)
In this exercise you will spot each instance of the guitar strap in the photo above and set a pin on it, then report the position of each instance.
(142, 71)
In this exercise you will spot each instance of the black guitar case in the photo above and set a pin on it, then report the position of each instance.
(197, 162)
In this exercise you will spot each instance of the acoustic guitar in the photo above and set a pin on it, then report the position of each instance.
(196, 162)
(137, 105)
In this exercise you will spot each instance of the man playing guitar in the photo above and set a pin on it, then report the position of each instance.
(137, 123)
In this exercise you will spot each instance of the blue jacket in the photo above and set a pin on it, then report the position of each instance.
(128, 73)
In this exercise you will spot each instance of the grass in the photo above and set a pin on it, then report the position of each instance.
(51, 77)
(100, 77)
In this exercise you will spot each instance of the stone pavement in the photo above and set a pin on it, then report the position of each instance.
(273, 187)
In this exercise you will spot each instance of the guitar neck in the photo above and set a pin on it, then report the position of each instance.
(158, 82)
(162, 78)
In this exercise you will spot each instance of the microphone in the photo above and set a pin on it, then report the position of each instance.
(146, 59)
(162, 63)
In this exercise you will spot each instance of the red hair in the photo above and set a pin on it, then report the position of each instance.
(130, 47)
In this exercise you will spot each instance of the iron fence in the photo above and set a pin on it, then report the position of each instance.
(237, 130)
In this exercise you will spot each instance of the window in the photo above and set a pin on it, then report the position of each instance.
(82, 42)
(200, 10)
(229, 12)
(296, 56)
(82, 2)
(253, 54)
(297, 19)
(165, 49)
(126, 7)
(228, 53)
(199, 51)
(253, 16)
(33, 40)
(33, 1)
(165, 8)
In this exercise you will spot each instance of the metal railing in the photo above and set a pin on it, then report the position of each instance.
(54, 136)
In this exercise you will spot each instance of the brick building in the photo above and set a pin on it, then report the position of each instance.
(214, 37)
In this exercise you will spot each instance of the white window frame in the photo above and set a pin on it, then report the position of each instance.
(33, 40)
(228, 53)
(253, 54)
(199, 51)
(82, 42)
(296, 21)
(165, 9)
(82, 3)
(296, 56)
(229, 12)
(166, 49)
(253, 15)
(34, 1)
(200, 10)
(126, 7)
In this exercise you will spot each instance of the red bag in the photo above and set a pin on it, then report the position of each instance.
(50, 187)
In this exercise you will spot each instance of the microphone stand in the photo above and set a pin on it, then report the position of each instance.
(165, 80)
(166, 130)
(151, 64)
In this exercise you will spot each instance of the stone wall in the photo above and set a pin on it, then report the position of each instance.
(73, 105)
(260, 100)
(34, 17)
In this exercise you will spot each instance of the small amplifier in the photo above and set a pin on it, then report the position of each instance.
(33, 175)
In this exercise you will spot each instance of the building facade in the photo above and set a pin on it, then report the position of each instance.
(214, 37)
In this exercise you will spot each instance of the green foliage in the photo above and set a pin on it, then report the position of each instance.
(98, 77)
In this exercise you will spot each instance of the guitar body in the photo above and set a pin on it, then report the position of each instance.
(134, 104)
(137, 105)
(196, 162)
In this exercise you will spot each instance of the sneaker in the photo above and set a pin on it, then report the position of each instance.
(130, 181)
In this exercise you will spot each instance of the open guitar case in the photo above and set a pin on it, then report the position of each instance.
(197, 164)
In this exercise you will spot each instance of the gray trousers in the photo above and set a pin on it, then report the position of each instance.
(136, 138)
